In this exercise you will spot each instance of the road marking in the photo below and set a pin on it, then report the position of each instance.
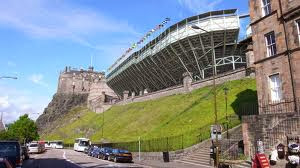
(68, 160)
(64, 155)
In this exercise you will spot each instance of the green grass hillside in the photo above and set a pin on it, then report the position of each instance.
(164, 117)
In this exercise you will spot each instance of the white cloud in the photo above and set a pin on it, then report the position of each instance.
(38, 79)
(56, 19)
(4, 102)
(199, 6)
(14, 103)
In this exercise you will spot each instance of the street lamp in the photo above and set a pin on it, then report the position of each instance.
(214, 87)
(8, 77)
(226, 92)
(214, 70)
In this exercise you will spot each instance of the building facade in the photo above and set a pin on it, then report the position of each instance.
(276, 48)
(276, 44)
(77, 81)
(90, 82)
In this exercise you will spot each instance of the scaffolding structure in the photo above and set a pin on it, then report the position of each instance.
(182, 49)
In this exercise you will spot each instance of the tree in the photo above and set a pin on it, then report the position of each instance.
(24, 130)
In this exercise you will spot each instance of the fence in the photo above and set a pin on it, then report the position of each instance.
(270, 107)
(171, 143)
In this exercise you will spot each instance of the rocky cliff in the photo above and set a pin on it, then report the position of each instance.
(60, 105)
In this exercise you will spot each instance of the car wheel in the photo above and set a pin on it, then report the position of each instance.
(115, 160)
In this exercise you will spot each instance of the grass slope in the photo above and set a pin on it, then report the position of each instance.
(167, 116)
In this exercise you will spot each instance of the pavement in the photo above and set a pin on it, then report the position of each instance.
(66, 158)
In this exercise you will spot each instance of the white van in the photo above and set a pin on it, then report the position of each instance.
(57, 144)
(81, 144)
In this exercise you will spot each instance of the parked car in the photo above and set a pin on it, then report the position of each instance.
(104, 153)
(90, 150)
(4, 163)
(119, 155)
(86, 150)
(11, 151)
(95, 152)
(25, 153)
(34, 148)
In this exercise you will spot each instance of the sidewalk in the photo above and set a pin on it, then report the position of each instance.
(161, 164)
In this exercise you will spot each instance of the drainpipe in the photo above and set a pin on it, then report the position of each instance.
(289, 56)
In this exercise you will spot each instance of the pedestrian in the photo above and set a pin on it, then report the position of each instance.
(274, 157)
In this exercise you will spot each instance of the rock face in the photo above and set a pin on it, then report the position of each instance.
(60, 105)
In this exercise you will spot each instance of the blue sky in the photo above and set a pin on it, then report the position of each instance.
(40, 37)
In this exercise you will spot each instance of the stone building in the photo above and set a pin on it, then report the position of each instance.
(73, 81)
(77, 81)
(275, 32)
(276, 47)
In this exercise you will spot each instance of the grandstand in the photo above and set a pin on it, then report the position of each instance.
(189, 47)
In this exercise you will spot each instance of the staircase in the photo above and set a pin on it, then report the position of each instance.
(201, 157)
(277, 134)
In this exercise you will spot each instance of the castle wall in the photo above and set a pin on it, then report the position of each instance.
(77, 81)
(99, 91)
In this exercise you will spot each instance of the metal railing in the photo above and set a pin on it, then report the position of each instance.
(270, 107)
(171, 143)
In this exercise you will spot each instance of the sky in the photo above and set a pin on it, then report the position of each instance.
(40, 37)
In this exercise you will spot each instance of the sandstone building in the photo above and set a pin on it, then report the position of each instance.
(275, 26)
(276, 46)
(77, 88)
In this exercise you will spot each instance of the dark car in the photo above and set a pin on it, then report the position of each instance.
(11, 150)
(119, 155)
(104, 153)
(25, 153)
(86, 150)
(95, 152)
(90, 151)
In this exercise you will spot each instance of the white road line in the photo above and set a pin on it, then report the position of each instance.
(64, 155)
(68, 160)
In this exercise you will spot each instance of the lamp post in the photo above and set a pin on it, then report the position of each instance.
(8, 77)
(214, 88)
(225, 93)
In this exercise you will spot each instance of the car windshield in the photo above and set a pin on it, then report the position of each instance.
(33, 145)
(8, 149)
(59, 143)
(123, 151)
(108, 150)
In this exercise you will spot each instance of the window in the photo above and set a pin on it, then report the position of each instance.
(275, 87)
(298, 28)
(271, 44)
(266, 7)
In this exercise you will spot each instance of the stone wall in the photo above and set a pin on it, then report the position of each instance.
(272, 129)
(179, 154)
(99, 91)
(77, 81)
(188, 86)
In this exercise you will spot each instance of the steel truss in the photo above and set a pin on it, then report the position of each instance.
(161, 63)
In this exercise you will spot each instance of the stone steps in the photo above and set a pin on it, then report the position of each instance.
(201, 157)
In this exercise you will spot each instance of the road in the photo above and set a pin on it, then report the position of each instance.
(64, 158)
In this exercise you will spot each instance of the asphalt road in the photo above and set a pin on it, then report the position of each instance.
(64, 158)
